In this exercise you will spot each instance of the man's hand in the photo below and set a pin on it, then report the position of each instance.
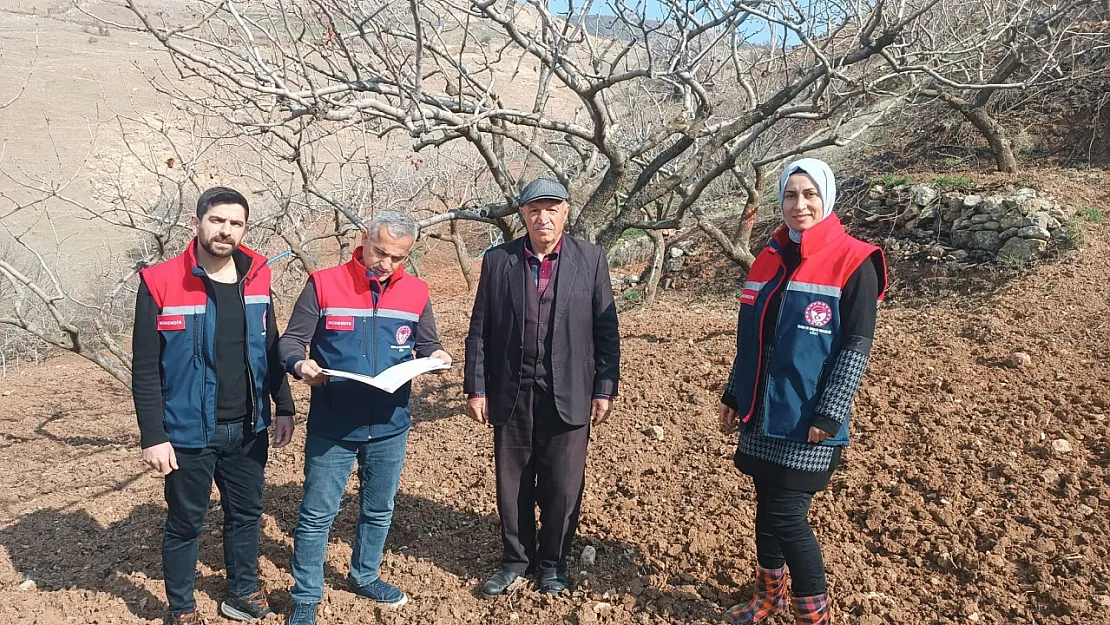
(161, 458)
(444, 356)
(283, 431)
(476, 409)
(310, 373)
(728, 416)
(817, 435)
(600, 410)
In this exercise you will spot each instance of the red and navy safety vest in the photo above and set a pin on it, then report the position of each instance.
(807, 338)
(366, 328)
(187, 324)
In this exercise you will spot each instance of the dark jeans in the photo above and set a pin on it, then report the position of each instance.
(539, 459)
(783, 537)
(237, 463)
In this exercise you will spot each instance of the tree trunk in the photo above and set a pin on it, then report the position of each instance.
(597, 220)
(742, 238)
(308, 261)
(738, 247)
(997, 137)
(995, 133)
(463, 256)
(655, 271)
(739, 254)
(342, 238)
(506, 226)
(607, 237)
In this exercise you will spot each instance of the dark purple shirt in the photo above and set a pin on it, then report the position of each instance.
(542, 268)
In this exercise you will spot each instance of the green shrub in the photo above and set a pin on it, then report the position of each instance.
(1076, 235)
(890, 180)
(1090, 214)
(958, 182)
(632, 296)
(631, 234)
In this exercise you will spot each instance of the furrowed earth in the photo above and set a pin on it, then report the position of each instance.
(975, 490)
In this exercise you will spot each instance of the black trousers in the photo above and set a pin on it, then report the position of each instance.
(539, 459)
(236, 460)
(783, 537)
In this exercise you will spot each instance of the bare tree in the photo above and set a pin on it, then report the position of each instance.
(67, 303)
(28, 73)
(143, 199)
(973, 50)
(335, 109)
(640, 114)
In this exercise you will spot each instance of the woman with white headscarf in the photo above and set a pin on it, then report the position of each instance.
(807, 320)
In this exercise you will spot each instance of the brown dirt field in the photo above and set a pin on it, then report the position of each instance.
(952, 507)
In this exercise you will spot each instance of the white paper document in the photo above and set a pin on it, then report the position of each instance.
(394, 377)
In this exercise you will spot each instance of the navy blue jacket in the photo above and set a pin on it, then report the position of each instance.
(350, 321)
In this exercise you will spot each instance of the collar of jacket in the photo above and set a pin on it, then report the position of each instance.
(824, 235)
(362, 272)
(247, 261)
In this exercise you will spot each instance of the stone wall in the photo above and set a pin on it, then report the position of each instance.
(958, 226)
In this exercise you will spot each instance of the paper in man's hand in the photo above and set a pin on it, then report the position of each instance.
(394, 377)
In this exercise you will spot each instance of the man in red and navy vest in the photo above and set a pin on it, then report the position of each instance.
(364, 317)
(204, 370)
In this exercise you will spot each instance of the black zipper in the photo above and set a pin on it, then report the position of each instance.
(374, 321)
(196, 336)
(209, 293)
(247, 352)
(365, 349)
(374, 343)
(759, 356)
(778, 332)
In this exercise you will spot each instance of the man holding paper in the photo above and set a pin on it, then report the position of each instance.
(542, 365)
(361, 317)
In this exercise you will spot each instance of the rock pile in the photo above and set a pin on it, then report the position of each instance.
(1012, 228)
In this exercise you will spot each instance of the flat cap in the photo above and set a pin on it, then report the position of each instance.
(542, 189)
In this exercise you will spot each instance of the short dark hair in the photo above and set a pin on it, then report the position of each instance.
(221, 195)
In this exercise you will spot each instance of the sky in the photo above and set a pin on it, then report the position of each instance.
(601, 7)
(756, 28)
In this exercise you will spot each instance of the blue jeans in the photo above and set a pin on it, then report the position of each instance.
(236, 460)
(327, 466)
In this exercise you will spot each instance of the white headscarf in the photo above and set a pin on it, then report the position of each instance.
(822, 176)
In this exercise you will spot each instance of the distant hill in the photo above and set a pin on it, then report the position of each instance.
(610, 26)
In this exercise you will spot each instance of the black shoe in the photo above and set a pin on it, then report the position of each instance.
(499, 583)
(552, 581)
(249, 608)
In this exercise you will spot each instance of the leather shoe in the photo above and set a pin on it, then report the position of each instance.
(552, 581)
(499, 583)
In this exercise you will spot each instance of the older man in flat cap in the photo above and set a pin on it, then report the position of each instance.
(542, 366)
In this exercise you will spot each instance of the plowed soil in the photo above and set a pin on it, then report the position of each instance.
(958, 502)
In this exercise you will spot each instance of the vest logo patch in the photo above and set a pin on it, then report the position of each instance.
(341, 324)
(403, 334)
(747, 296)
(818, 314)
(171, 323)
